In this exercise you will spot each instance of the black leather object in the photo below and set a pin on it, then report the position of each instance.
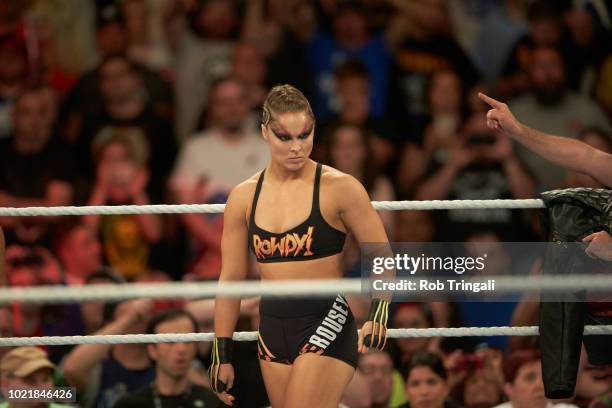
(569, 216)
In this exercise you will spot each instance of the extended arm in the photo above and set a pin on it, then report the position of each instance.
(569, 153)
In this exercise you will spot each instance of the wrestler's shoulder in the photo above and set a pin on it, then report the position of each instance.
(337, 180)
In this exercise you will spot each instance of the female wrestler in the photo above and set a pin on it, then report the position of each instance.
(294, 216)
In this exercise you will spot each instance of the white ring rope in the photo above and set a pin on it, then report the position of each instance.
(62, 294)
(218, 208)
(251, 336)
(320, 287)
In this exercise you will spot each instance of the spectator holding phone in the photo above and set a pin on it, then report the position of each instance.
(478, 164)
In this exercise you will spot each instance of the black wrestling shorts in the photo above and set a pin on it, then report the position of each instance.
(289, 327)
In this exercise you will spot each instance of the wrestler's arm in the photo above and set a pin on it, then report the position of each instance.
(359, 216)
(356, 210)
(565, 152)
(234, 265)
(234, 257)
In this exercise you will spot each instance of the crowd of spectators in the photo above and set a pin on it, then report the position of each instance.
(112, 102)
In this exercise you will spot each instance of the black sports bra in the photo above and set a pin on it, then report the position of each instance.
(314, 238)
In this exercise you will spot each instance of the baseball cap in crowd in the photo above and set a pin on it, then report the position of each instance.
(23, 361)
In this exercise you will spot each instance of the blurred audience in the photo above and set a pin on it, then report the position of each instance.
(126, 104)
(477, 163)
(30, 266)
(426, 382)
(13, 79)
(86, 96)
(551, 107)
(589, 46)
(79, 251)
(428, 46)
(277, 28)
(121, 179)
(524, 386)
(103, 373)
(353, 89)
(600, 140)
(503, 260)
(146, 43)
(36, 169)
(27, 368)
(480, 390)
(203, 54)
(434, 130)
(20, 51)
(386, 385)
(173, 362)
(235, 151)
(250, 68)
(95, 314)
(349, 37)
(545, 18)
(498, 28)
(88, 116)
(412, 315)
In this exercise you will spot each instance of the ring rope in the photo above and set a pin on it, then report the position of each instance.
(252, 336)
(218, 208)
(54, 294)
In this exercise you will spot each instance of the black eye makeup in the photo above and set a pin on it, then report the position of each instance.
(283, 137)
(305, 134)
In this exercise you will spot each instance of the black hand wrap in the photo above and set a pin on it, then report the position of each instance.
(379, 314)
(221, 354)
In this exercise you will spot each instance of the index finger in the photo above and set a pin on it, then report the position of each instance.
(590, 237)
(494, 103)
